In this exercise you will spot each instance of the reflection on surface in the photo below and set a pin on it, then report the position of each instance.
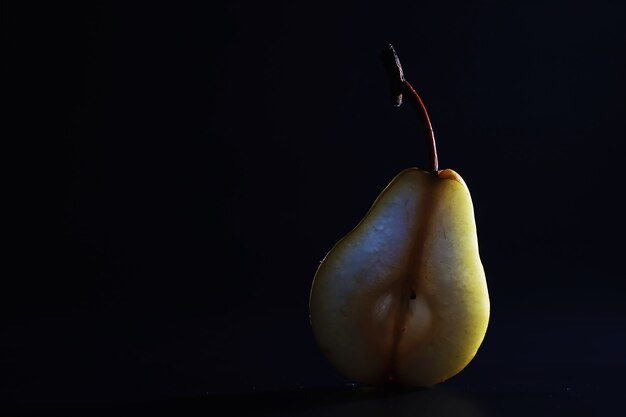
(430, 403)
(343, 401)
(433, 402)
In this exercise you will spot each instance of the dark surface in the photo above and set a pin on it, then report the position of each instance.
(177, 171)
(558, 396)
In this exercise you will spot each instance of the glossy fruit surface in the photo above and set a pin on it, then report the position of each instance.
(403, 296)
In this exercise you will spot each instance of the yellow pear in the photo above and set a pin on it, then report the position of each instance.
(403, 297)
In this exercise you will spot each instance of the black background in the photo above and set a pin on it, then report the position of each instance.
(175, 173)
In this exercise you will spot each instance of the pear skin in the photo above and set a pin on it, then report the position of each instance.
(403, 297)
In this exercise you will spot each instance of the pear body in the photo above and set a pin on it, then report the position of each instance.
(403, 297)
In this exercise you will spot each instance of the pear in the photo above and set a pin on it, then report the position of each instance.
(403, 297)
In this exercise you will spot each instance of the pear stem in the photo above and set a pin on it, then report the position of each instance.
(399, 87)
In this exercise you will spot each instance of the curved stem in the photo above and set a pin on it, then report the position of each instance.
(399, 86)
(422, 114)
